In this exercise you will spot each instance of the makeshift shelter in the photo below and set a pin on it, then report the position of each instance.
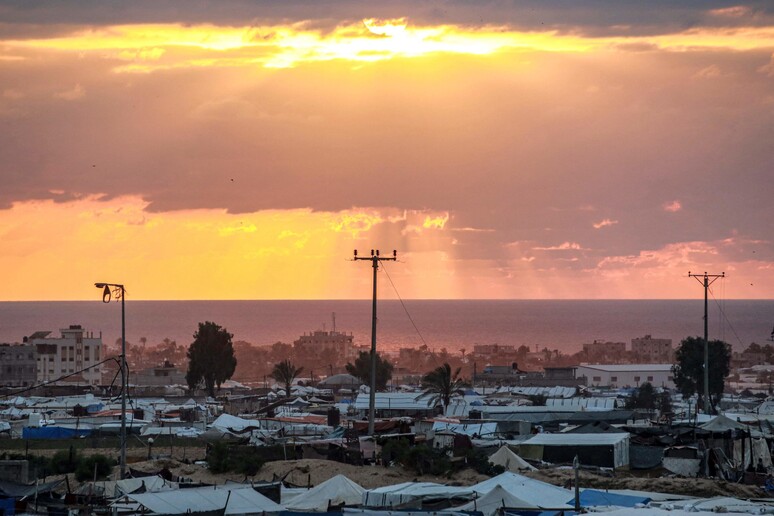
(496, 499)
(415, 494)
(604, 449)
(596, 498)
(510, 461)
(528, 489)
(241, 500)
(336, 491)
(118, 488)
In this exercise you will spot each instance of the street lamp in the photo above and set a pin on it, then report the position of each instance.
(117, 291)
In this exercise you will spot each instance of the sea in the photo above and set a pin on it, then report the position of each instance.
(564, 325)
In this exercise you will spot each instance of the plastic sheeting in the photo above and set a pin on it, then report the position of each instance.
(510, 461)
(243, 500)
(53, 432)
(338, 490)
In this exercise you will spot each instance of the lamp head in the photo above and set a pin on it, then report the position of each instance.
(106, 294)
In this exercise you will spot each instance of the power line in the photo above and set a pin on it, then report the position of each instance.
(722, 312)
(27, 389)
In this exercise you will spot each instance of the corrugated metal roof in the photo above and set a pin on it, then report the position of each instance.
(395, 401)
(623, 368)
(568, 439)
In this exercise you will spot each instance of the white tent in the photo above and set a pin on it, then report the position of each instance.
(496, 499)
(338, 490)
(242, 500)
(229, 423)
(528, 489)
(408, 492)
(510, 461)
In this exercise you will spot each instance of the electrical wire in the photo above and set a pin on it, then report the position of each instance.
(63, 377)
(405, 309)
(723, 313)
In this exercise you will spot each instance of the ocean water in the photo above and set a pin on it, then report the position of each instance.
(453, 324)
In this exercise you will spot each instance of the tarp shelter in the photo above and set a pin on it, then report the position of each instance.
(414, 493)
(234, 424)
(510, 461)
(596, 498)
(469, 429)
(494, 500)
(605, 450)
(118, 488)
(14, 490)
(243, 500)
(528, 489)
(335, 491)
(53, 432)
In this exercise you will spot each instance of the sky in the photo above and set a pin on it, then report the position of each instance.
(242, 149)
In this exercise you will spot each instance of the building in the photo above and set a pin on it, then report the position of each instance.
(653, 351)
(326, 342)
(599, 351)
(627, 375)
(18, 365)
(74, 353)
(159, 376)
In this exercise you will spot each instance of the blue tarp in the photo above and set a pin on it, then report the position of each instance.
(7, 506)
(53, 432)
(593, 497)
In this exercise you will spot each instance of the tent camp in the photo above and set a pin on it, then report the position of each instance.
(335, 491)
(241, 500)
(609, 450)
(510, 461)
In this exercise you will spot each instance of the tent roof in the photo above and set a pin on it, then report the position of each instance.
(595, 498)
(568, 439)
(399, 494)
(528, 489)
(722, 423)
(334, 491)
(510, 461)
(494, 500)
(243, 500)
(341, 379)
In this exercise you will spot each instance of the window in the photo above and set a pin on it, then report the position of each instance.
(613, 378)
(597, 379)
(650, 378)
(670, 378)
(636, 378)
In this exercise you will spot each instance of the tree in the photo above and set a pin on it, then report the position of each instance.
(688, 370)
(285, 372)
(441, 385)
(210, 357)
(644, 397)
(361, 369)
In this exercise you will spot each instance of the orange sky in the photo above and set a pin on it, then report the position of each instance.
(503, 154)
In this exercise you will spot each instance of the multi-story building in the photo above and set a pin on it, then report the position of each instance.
(17, 365)
(605, 351)
(321, 341)
(70, 354)
(653, 351)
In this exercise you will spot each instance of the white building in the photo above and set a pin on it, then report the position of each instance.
(627, 375)
(74, 351)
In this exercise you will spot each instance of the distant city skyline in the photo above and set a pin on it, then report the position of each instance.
(519, 150)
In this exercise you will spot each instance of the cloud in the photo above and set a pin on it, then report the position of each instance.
(768, 68)
(672, 207)
(564, 246)
(75, 93)
(604, 223)
(709, 72)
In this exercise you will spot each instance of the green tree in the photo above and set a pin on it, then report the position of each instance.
(688, 370)
(361, 369)
(285, 372)
(643, 397)
(211, 357)
(441, 385)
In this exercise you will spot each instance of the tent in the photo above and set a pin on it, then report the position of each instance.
(596, 498)
(494, 500)
(117, 488)
(510, 461)
(242, 500)
(338, 490)
(528, 489)
(604, 449)
(413, 493)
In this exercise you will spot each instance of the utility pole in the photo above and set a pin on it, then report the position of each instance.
(706, 280)
(375, 259)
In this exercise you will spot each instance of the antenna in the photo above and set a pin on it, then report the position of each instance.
(333, 317)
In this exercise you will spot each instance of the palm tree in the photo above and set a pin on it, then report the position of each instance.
(285, 372)
(441, 385)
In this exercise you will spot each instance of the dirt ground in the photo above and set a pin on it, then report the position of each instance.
(315, 471)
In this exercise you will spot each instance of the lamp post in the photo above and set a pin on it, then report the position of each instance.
(117, 291)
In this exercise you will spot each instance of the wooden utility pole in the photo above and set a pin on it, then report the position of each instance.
(706, 280)
(375, 259)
